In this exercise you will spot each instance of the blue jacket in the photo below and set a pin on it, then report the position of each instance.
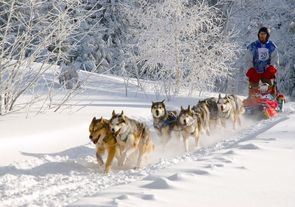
(261, 55)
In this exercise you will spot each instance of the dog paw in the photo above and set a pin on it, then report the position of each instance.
(100, 165)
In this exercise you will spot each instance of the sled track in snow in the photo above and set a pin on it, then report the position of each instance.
(63, 178)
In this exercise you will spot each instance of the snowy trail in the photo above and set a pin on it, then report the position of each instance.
(62, 178)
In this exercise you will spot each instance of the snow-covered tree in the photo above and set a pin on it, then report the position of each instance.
(102, 36)
(181, 43)
(32, 31)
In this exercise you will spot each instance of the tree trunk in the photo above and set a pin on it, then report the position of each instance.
(177, 62)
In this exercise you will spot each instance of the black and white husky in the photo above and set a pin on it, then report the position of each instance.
(164, 121)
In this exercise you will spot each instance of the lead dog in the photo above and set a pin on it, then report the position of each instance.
(104, 140)
(132, 136)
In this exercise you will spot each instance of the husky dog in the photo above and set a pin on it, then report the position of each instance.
(103, 138)
(203, 112)
(211, 104)
(132, 136)
(190, 124)
(164, 121)
(231, 107)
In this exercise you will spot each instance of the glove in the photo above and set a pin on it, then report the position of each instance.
(270, 72)
(253, 76)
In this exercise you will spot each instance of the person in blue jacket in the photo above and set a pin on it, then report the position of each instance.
(262, 60)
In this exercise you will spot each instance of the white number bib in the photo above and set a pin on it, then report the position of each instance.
(263, 54)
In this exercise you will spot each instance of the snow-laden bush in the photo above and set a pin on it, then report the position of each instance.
(102, 35)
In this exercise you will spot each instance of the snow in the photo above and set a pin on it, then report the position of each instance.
(48, 160)
(255, 170)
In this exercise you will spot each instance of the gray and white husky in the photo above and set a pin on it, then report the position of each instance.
(189, 124)
(230, 107)
(132, 136)
(211, 105)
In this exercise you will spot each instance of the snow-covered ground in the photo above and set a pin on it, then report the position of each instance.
(252, 169)
(48, 160)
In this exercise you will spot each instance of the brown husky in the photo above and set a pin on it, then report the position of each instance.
(132, 136)
(103, 138)
(190, 125)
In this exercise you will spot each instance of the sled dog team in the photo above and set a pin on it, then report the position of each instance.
(122, 137)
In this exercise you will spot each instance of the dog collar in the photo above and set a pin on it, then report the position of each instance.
(166, 121)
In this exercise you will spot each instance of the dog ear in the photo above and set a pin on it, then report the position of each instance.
(101, 119)
(163, 101)
(122, 113)
(94, 119)
(189, 107)
(219, 97)
(181, 109)
(113, 113)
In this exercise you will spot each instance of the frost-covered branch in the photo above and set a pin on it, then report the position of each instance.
(33, 31)
(182, 44)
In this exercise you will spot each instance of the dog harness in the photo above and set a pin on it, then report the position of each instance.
(124, 136)
(165, 122)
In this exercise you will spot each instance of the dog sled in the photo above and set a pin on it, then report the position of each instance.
(264, 101)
